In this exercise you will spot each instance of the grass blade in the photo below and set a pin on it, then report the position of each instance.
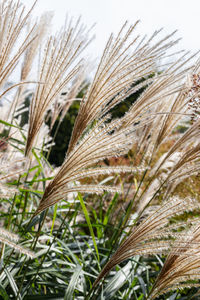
(3, 293)
(72, 283)
(89, 223)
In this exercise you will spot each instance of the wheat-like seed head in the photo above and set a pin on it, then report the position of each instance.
(119, 68)
(191, 136)
(181, 266)
(173, 169)
(151, 236)
(11, 239)
(8, 234)
(102, 141)
(39, 32)
(58, 68)
(193, 92)
(63, 102)
(13, 20)
(11, 166)
(36, 35)
(122, 65)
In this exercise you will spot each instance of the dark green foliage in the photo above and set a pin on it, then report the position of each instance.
(25, 115)
(119, 110)
(63, 135)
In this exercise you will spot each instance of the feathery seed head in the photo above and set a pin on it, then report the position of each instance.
(181, 266)
(153, 235)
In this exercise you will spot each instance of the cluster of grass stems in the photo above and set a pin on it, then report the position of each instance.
(96, 227)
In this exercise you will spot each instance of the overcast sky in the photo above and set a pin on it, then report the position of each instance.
(109, 15)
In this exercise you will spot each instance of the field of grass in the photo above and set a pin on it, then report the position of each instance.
(119, 219)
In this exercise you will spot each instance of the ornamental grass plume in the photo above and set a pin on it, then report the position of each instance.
(11, 239)
(123, 63)
(13, 20)
(102, 141)
(193, 93)
(69, 94)
(164, 85)
(181, 268)
(37, 36)
(163, 154)
(169, 109)
(155, 234)
(178, 163)
(181, 159)
(11, 166)
(60, 64)
(191, 136)
(125, 60)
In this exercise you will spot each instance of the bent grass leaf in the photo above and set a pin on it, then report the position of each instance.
(117, 281)
(13, 284)
(72, 284)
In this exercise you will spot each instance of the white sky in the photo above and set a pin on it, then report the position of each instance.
(110, 15)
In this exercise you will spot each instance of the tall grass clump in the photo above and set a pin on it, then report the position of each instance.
(119, 219)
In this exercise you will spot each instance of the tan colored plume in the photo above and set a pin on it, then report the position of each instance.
(154, 235)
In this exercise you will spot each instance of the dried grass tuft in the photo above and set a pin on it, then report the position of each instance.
(59, 66)
(154, 235)
(181, 268)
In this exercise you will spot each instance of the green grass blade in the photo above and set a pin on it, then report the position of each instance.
(72, 284)
(13, 284)
(54, 217)
(89, 223)
(46, 297)
(112, 204)
(3, 293)
(9, 124)
(117, 281)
